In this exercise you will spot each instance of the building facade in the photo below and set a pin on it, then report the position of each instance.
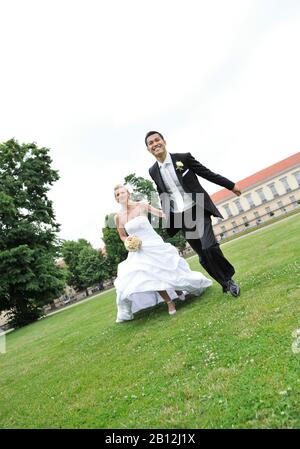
(268, 193)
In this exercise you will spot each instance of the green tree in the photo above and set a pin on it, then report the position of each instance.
(91, 267)
(143, 189)
(115, 249)
(29, 245)
(71, 250)
(86, 265)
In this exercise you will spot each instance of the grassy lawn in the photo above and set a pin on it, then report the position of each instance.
(220, 362)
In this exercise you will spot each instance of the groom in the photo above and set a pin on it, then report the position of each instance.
(175, 176)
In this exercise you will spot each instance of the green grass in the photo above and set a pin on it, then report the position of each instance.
(220, 362)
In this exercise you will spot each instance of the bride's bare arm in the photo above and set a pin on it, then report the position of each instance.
(154, 211)
(120, 229)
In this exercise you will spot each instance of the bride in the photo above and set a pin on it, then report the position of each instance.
(154, 272)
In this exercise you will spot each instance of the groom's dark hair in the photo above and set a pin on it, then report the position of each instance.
(150, 134)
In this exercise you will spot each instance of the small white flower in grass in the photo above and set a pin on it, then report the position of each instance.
(2, 342)
(296, 342)
(296, 333)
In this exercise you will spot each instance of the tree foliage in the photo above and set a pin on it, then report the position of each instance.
(29, 277)
(115, 249)
(91, 267)
(86, 265)
(143, 189)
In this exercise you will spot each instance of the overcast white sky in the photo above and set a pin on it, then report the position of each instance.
(88, 79)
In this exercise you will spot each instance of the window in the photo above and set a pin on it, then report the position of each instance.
(273, 189)
(256, 215)
(285, 184)
(235, 226)
(250, 200)
(239, 206)
(261, 195)
(281, 206)
(245, 220)
(269, 212)
(227, 210)
(293, 200)
(297, 176)
(223, 233)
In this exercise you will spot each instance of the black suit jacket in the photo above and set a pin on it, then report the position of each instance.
(190, 183)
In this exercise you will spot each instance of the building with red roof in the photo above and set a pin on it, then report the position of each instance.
(270, 192)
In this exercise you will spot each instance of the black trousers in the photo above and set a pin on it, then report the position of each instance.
(202, 239)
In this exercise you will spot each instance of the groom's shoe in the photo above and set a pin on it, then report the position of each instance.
(232, 288)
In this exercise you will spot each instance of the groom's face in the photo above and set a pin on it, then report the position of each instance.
(156, 145)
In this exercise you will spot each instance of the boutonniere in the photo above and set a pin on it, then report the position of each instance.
(179, 165)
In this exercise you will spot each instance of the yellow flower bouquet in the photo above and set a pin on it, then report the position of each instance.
(132, 243)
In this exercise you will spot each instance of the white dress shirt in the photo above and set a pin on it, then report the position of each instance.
(180, 199)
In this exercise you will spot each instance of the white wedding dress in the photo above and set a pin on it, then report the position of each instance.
(156, 266)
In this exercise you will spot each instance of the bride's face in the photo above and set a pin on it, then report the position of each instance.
(121, 195)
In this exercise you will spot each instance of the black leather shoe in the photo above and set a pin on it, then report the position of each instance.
(233, 288)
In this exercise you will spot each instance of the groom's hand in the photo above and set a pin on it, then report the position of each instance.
(236, 190)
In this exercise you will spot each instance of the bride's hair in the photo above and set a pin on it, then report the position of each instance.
(118, 186)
